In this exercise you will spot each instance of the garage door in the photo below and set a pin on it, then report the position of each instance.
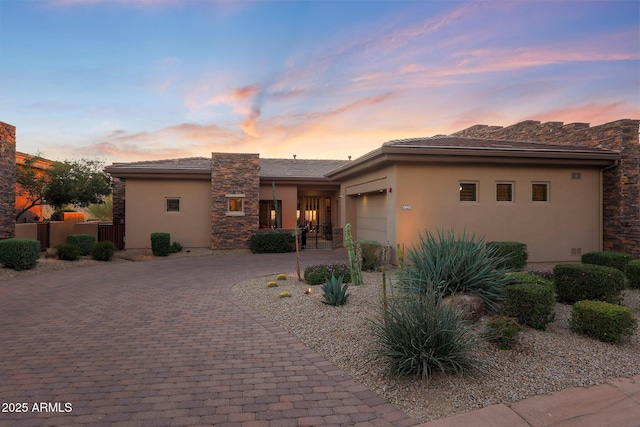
(371, 217)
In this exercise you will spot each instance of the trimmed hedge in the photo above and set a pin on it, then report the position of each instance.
(617, 260)
(84, 242)
(273, 243)
(522, 277)
(577, 282)
(602, 321)
(103, 251)
(161, 244)
(532, 304)
(318, 274)
(371, 254)
(515, 251)
(19, 254)
(633, 274)
(68, 252)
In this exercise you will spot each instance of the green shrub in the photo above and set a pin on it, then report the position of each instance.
(602, 321)
(633, 274)
(103, 251)
(503, 330)
(333, 292)
(19, 254)
(84, 242)
(515, 254)
(617, 260)
(522, 277)
(161, 244)
(455, 264)
(371, 254)
(175, 247)
(577, 282)
(419, 336)
(68, 252)
(319, 273)
(273, 243)
(532, 304)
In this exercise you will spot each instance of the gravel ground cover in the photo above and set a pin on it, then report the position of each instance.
(541, 362)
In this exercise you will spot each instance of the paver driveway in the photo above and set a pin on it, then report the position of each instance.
(164, 342)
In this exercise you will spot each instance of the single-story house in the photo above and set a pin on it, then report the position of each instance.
(548, 195)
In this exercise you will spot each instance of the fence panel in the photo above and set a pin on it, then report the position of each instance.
(113, 233)
(43, 235)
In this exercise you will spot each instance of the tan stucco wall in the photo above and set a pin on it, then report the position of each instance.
(145, 212)
(288, 195)
(570, 220)
(363, 187)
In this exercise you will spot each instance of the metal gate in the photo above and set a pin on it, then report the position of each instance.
(316, 229)
(43, 235)
(113, 233)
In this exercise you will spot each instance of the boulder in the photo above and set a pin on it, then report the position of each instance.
(470, 305)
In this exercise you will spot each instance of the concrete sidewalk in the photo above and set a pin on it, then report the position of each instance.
(165, 343)
(616, 404)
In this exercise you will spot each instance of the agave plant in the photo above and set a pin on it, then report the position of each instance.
(334, 292)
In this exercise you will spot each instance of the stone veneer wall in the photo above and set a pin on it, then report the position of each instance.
(233, 173)
(621, 189)
(118, 200)
(7, 180)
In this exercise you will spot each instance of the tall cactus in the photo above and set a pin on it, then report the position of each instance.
(356, 273)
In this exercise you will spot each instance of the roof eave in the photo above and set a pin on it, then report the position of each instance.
(387, 155)
(164, 173)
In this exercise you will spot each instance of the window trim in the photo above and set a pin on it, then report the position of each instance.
(547, 184)
(476, 184)
(237, 196)
(166, 205)
(512, 192)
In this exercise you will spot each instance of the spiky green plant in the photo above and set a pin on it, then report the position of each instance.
(419, 336)
(334, 292)
(453, 264)
(354, 267)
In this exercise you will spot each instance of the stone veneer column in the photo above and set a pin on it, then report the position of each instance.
(118, 200)
(7, 181)
(621, 188)
(233, 173)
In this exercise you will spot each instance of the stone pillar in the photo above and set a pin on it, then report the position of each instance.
(118, 200)
(621, 188)
(338, 238)
(7, 181)
(234, 177)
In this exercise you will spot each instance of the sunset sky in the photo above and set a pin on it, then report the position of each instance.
(129, 80)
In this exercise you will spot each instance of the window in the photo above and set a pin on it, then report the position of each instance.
(540, 192)
(468, 191)
(172, 205)
(504, 192)
(235, 204)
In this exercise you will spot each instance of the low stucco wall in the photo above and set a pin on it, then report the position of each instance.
(27, 231)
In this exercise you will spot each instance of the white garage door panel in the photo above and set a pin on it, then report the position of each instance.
(371, 218)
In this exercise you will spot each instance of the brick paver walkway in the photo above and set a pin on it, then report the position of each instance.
(163, 343)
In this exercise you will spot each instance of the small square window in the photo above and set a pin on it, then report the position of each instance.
(235, 204)
(172, 204)
(468, 191)
(540, 192)
(504, 192)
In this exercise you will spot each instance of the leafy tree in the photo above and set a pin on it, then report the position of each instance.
(101, 211)
(31, 183)
(79, 182)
